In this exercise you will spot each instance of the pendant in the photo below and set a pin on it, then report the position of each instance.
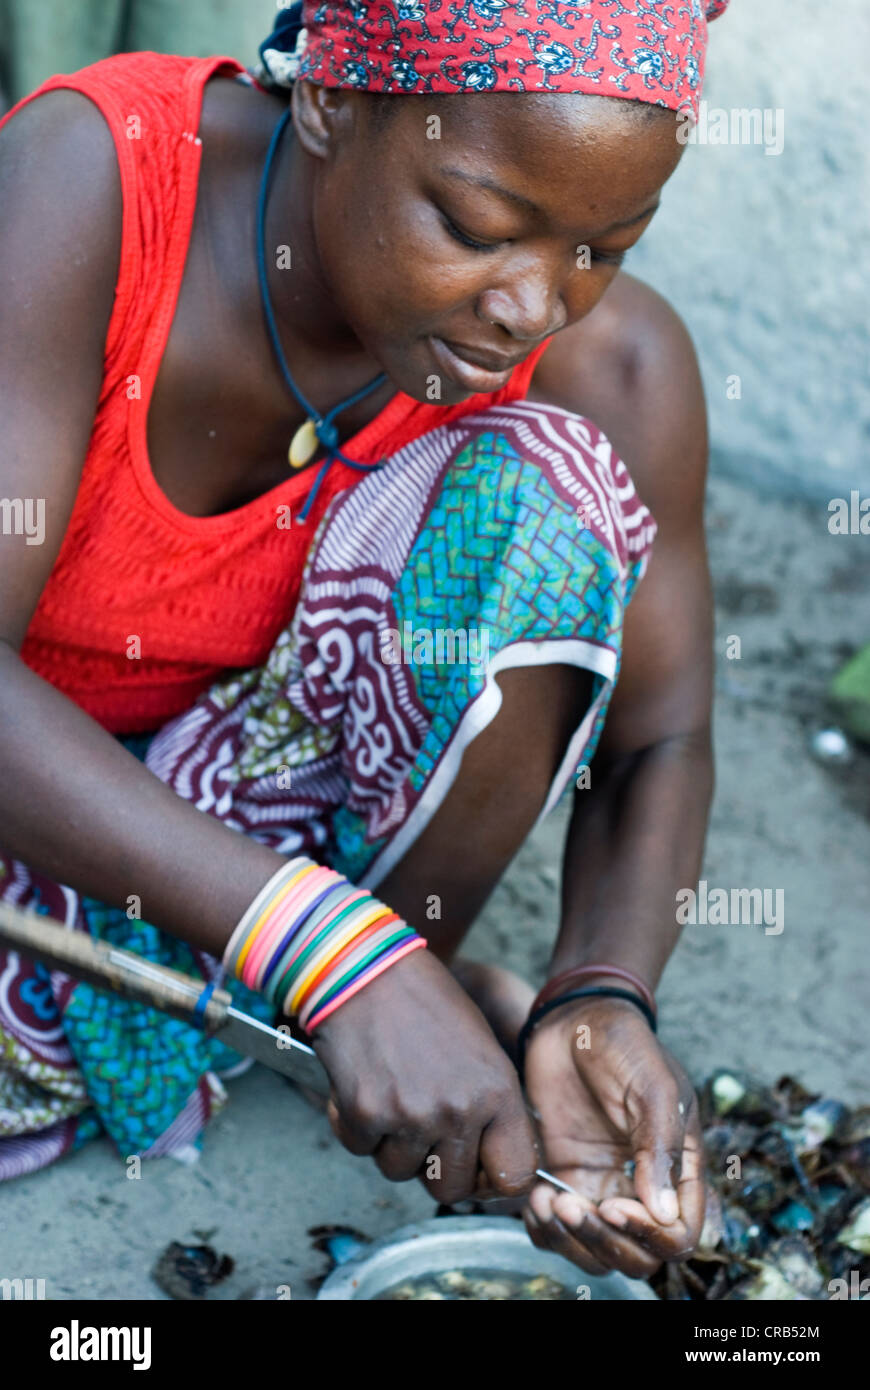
(303, 445)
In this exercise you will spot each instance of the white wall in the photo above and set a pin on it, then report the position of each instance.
(766, 257)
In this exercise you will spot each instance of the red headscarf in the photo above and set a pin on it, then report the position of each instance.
(646, 50)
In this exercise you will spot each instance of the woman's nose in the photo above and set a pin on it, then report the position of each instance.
(529, 307)
(539, 299)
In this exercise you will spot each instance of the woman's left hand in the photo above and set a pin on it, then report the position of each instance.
(605, 1099)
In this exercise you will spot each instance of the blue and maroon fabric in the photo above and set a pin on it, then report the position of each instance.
(509, 538)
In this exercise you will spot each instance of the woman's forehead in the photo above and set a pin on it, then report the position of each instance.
(545, 156)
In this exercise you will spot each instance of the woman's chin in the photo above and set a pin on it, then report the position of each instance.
(413, 371)
(430, 388)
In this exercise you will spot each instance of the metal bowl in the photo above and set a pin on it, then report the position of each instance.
(465, 1242)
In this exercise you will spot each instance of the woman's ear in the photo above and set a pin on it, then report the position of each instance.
(321, 115)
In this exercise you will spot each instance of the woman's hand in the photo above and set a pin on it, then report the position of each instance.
(608, 1099)
(417, 1076)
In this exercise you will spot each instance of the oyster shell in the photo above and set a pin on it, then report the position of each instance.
(856, 1233)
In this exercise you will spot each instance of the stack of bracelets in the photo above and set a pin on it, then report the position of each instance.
(310, 941)
(562, 989)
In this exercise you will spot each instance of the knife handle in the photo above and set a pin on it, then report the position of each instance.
(77, 954)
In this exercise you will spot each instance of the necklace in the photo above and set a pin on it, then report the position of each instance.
(316, 429)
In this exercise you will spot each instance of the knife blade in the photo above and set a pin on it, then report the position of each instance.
(274, 1048)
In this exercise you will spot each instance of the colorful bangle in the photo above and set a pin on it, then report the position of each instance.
(281, 940)
(314, 1021)
(310, 941)
(278, 897)
(344, 967)
(368, 914)
(357, 967)
(241, 932)
(311, 992)
(284, 907)
(291, 941)
(291, 912)
(350, 949)
(340, 927)
(340, 951)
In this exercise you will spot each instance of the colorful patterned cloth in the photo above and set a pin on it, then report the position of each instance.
(75, 1061)
(645, 50)
(510, 538)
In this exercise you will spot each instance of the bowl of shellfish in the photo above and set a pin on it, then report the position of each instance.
(464, 1259)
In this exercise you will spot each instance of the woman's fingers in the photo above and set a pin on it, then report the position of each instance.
(419, 1079)
(571, 1225)
(450, 1169)
(670, 1184)
(677, 1239)
(508, 1152)
(356, 1138)
(692, 1190)
(550, 1235)
(401, 1158)
(617, 1249)
(632, 1219)
(657, 1140)
(611, 1247)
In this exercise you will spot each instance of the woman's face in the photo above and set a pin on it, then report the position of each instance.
(457, 233)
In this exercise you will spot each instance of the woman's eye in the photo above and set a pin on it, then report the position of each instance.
(463, 237)
(609, 257)
(614, 258)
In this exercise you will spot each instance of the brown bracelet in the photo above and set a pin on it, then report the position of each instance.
(608, 992)
(568, 978)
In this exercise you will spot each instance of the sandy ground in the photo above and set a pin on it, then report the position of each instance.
(732, 995)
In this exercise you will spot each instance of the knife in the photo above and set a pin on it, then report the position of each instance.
(123, 972)
(174, 993)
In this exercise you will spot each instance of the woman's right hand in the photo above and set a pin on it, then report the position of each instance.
(417, 1075)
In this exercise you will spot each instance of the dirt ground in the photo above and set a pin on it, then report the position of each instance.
(794, 1002)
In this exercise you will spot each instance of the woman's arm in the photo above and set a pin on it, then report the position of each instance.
(75, 804)
(606, 1090)
(80, 808)
(637, 831)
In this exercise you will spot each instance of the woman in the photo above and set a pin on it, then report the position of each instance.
(406, 288)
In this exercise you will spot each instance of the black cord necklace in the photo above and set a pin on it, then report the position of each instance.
(317, 428)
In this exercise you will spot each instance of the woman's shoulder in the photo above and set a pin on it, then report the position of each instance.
(631, 367)
(135, 94)
(87, 117)
(60, 175)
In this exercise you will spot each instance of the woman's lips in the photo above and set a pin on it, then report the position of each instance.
(468, 374)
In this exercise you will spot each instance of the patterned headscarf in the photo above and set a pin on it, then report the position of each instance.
(645, 50)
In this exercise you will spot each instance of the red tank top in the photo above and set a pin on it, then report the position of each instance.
(202, 594)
